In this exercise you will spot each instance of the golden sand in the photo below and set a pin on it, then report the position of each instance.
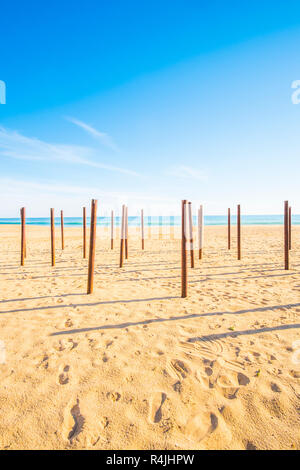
(134, 366)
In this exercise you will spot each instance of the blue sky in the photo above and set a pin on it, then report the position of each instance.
(147, 103)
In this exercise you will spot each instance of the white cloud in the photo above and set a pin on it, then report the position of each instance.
(104, 138)
(15, 145)
(182, 171)
(39, 196)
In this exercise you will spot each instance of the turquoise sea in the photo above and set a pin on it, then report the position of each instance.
(159, 220)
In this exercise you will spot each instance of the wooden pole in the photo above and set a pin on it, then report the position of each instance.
(112, 230)
(238, 232)
(290, 228)
(183, 250)
(84, 232)
(92, 249)
(142, 229)
(286, 235)
(62, 230)
(229, 227)
(126, 232)
(191, 235)
(25, 244)
(122, 237)
(23, 239)
(52, 237)
(200, 231)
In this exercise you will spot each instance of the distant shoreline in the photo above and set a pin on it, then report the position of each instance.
(157, 221)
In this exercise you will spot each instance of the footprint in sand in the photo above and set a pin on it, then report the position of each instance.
(177, 369)
(74, 422)
(114, 396)
(202, 378)
(63, 378)
(71, 344)
(275, 387)
(93, 344)
(209, 371)
(59, 346)
(201, 425)
(157, 402)
(250, 446)
(104, 358)
(64, 344)
(44, 362)
(295, 374)
(231, 382)
(177, 387)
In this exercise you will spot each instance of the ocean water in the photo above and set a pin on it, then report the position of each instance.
(158, 220)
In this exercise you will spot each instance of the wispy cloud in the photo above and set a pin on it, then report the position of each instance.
(104, 138)
(39, 196)
(182, 171)
(15, 145)
(66, 188)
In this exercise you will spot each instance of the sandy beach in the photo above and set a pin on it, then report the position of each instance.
(134, 366)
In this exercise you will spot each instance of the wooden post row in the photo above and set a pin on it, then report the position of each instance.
(286, 235)
(229, 228)
(23, 236)
(200, 231)
(52, 237)
(126, 232)
(92, 250)
(122, 237)
(62, 230)
(290, 228)
(25, 244)
(191, 234)
(142, 229)
(112, 231)
(238, 232)
(183, 250)
(84, 232)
